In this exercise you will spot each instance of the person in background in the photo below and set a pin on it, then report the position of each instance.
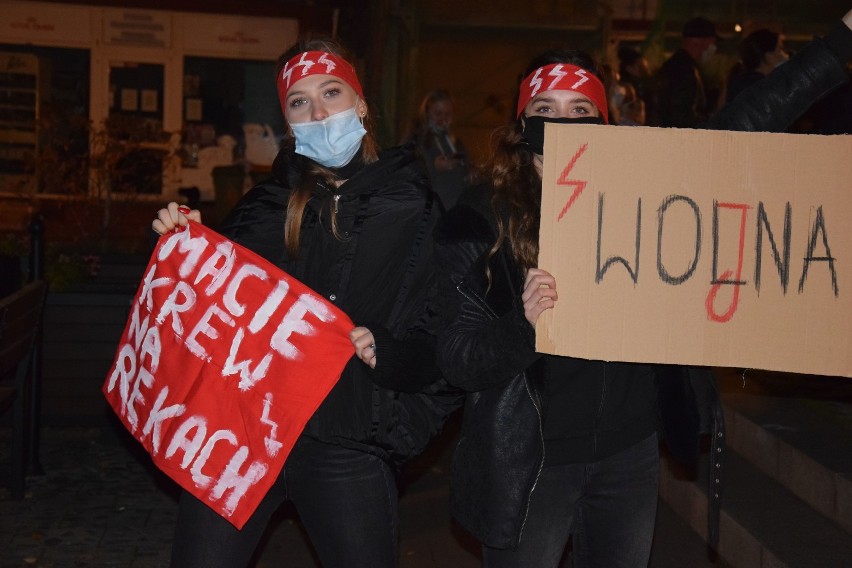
(355, 225)
(633, 69)
(625, 106)
(552, 447)
(616, 91)
(680, 98)
(632, 113)
(761, 51)
(442, 151)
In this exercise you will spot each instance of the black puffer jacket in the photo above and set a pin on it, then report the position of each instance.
(380, 272)
(487, 346)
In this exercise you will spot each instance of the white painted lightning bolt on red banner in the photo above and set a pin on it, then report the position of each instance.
(223, 360)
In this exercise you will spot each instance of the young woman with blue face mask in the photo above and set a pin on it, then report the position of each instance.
(553, 448)
(355, 225)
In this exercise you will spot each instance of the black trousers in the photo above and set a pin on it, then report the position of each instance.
(347, 501)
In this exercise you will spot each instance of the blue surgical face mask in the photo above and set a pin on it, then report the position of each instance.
(332, 142)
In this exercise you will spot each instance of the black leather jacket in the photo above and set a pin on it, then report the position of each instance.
(487, 347)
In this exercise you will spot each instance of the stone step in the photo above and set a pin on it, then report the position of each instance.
(763, 525)
(788, 479)
(797, 429)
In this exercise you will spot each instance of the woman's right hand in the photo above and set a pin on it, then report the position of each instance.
(173, 216)
(539, 293)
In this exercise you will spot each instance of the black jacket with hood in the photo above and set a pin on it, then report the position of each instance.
(486, 346)
(378, 269)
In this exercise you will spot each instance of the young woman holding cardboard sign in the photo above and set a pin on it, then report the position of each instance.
(355, 225)
(553, 447)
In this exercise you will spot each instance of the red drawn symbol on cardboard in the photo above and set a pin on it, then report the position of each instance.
(710, 301)
(578, 185)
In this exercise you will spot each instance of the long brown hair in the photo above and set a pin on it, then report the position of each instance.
(514, 178)
(316, 174)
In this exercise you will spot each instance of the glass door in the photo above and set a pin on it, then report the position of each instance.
(136, 143)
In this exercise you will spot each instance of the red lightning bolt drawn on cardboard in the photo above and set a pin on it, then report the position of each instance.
(579, 186)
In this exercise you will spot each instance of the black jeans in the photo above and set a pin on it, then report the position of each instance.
(609, 508)
(346, 499)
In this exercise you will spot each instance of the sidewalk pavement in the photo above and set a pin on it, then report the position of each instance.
(100, 503)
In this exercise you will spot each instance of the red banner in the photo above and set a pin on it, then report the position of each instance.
(223, 360)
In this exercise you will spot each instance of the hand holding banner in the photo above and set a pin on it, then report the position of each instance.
(223, 360)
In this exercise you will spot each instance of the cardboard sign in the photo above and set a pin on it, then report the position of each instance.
(698, 247)
(223, 360)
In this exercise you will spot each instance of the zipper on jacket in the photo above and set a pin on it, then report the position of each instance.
(541, 461)
(336, 198)
(476, 299)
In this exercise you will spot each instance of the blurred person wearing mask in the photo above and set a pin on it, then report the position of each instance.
(633, 68)
(442, 151)
(680, 97)
(632, 113)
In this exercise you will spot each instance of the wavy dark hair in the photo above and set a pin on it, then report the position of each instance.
(512, 173)
(314, 173)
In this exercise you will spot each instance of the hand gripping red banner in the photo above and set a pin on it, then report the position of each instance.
(223, 360)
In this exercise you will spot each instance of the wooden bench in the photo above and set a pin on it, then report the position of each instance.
(20, 315)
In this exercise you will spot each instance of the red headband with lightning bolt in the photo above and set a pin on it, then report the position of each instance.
(563, 77)
(313, 63)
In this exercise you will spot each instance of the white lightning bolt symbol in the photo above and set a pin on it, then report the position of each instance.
(581, 73)
(302, 62)
(557, 73)
(272, 445)
(535, 82)
(329, 64)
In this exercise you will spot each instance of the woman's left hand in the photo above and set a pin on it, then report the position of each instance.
(365, 345)
(539, 293)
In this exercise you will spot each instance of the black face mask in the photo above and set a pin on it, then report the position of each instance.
(534, 128)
